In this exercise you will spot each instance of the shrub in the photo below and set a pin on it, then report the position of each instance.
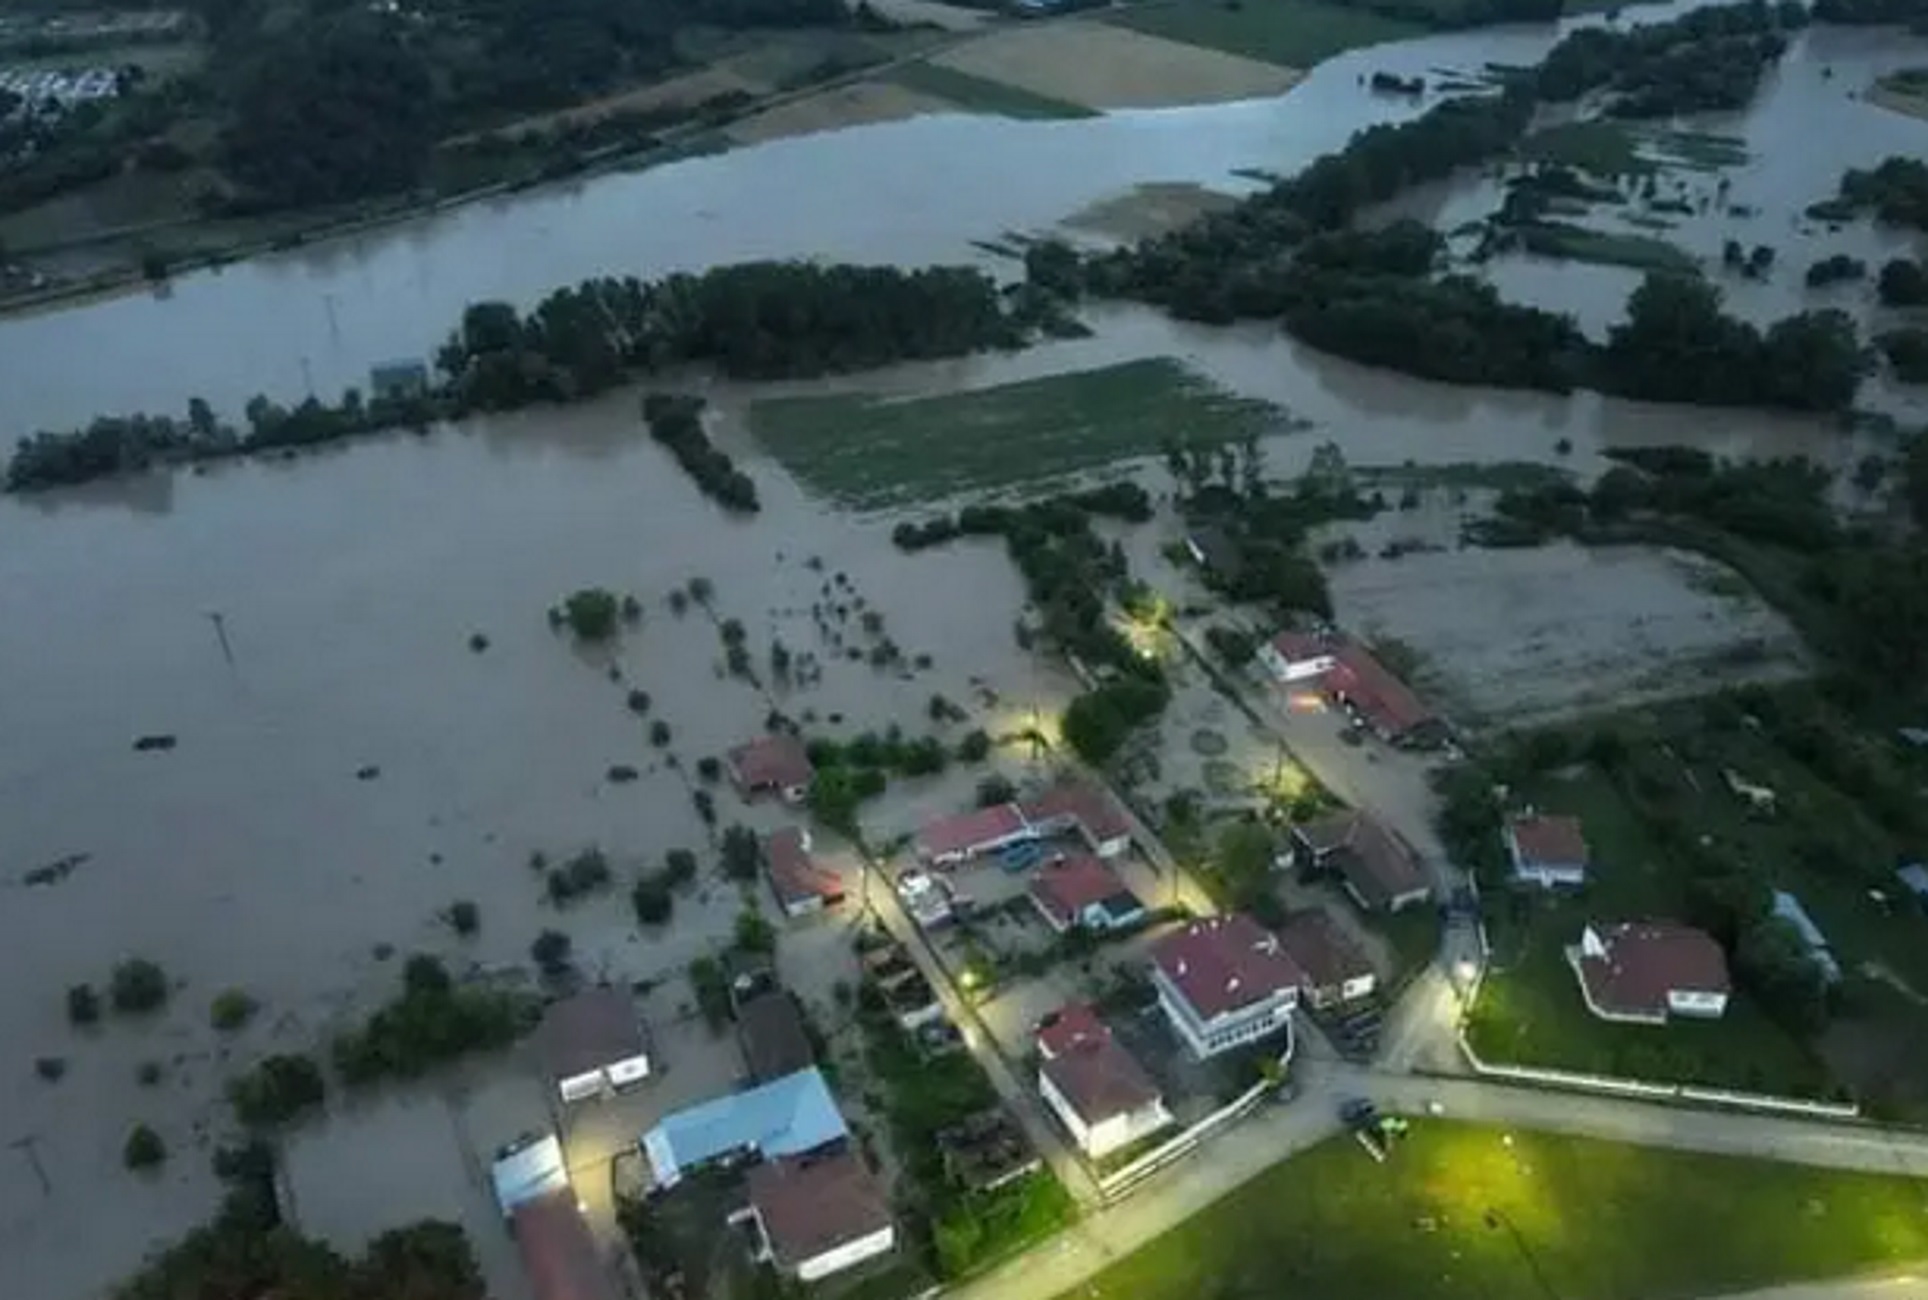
(425, 974)
(974, 748)
(148, 1074)
(754, 933)
(705, 806)
(679, 867)
(50, 1068)
(652, 899)
(741, 853)
(585, 873)
(478, 642)
(277, 1090)
(659, 733)
(591, 613)
(137, 986)
(551, 951)
(83, 1004)
(464, 917)
(231, 1009)
(143, 1149)
(712, 991)
(639, 702)
(709, 768)
(995, 789)
(431, 1022)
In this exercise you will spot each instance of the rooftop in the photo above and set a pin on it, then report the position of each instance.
(813, 1204)
(794, 875)
(1388, 702)
(1089, 1068)
(1066, 888)
(787, 1116)
(1548, 840)
(770, 1028)
(1644, 961)
(774, 762)
(1376, 862)
(1091, 807)
(1297, 647)
(1226, 963)
(589, 1030)
(1326, 953)
(534, 1169)
(558, 1253)
(964, 832)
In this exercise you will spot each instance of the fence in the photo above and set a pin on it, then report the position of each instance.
(1120, 1182)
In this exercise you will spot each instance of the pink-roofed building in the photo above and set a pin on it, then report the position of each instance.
(1648, 971)
(801, 886)
(1225, 981)
(1297, 656)
(1547, 850)
(1091, 1083)
(774, 764)
(1081, 890)
(1084, 808)
(959, 838)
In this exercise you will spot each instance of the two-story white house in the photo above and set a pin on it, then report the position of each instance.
(1223, 982)
(1091, 1083)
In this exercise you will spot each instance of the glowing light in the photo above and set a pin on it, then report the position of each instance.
(1464, 970)
(1305, 702)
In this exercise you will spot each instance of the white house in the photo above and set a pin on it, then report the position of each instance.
(1646, 972)
(818, 1214)
(1223, 982)
(1092, 1084)
(593, 1044)
(1546, 851)
(1297, 657)
(1337, 970)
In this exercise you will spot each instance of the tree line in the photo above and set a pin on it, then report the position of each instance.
(756, 320)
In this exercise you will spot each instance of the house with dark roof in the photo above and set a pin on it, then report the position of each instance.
(774, 764)
(1080, 890)
(1374, 865)
(1223, 982)
(800, 884)
(1337, 970)
(816, 1215)
(1083, 808)
(1091, 1083)
(592, 1044)
(1647, 972)
(1545, 850)
(963, 836)
(769, 1029)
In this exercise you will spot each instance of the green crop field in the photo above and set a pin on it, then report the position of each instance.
(1578, 244)
(1291, 33)
(980, 94)
(872, 452)
(1464, 1212)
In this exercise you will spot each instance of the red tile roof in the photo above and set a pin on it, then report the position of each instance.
(558, 1253)
(1091, 808)
(1325, 952)
(1553, 841)
(1373, 859)
(1065, 889)
(812, 1204)
(1226, 963)
(1089, 1068)
(1647, 960)
(971, 831)
(1387, 702)
(793, 873)
(774, 762)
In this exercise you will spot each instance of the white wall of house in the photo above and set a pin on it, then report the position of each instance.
(1207, 1038)
(848, 1255)
(608, 1078)
(1107, 1135)
(796, 907)
(1703, 1004)
(1294, 670)
(1547, 875)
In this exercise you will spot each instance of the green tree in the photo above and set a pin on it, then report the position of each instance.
(592, 613)
(143, 1148)
(278, 1089)
(137, 986)
(231, 1010)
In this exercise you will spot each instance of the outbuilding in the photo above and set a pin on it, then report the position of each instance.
(817, 1215)
(593, 1044)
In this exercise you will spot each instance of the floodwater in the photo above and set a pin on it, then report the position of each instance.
(348, 583)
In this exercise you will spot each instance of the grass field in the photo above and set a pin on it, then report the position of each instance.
(1291, 33)
(871, 452)
(1578, 244)
(980, 94)
(1462, 1212)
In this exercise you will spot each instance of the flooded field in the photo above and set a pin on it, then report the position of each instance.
(1106, 67)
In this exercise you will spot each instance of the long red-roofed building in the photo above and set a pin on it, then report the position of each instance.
(1650, 971)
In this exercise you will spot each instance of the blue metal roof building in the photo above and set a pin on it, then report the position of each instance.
(785, 1117)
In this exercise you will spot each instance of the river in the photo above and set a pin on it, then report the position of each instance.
(349, 582)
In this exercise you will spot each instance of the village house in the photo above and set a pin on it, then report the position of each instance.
(592, 1044)
(1645, 972)
(1547, 851)
(1223, 982)
(817, 1215)
(949, 841)
(1373, 864)
(1352, 677)
(1337, 970)
(774, 764)
(771, 1033)
(531, 1184)
(1297, 656)
(1093, 1085)
(1084, 809)
(1082, 891)
(801, 886)
(789, 1116)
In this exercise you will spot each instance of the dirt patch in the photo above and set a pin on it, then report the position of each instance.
(1109, 67)
(1156, 208)
(1896, 100)
(854, 105)
(1530, 636)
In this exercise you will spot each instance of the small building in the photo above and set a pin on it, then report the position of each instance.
(558, 1253)
(398, 381)
(1093, 1085)
(592, 1044)
(770, 1030)
(773, 764)
(1337, 970)
(527, 1169)
(959, 838)
(1082, 891)
(1788, 908)
(1372, 693)
(1224, 982)
(1546, 850)
(785, 1117)
(1645, 972)
(801, 886)
(817, 1215)
(925, 898)
(1297, 657)
(1374, 865)
(1085, 809)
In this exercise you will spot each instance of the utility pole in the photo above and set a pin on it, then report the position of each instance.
(221, 633)
(30, 1147)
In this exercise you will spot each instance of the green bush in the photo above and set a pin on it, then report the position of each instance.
(754, 933)
(432, 1022)
(277, 1090)
(741, 853)
(137, 986)
(591, 613)
(712, 991)
(551, 952)
(231, 1009)
(83, 1005)
(679, 868)
(974, 748)
(464, 917)
(652, 899)
(585, 873)
(143, 1148)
